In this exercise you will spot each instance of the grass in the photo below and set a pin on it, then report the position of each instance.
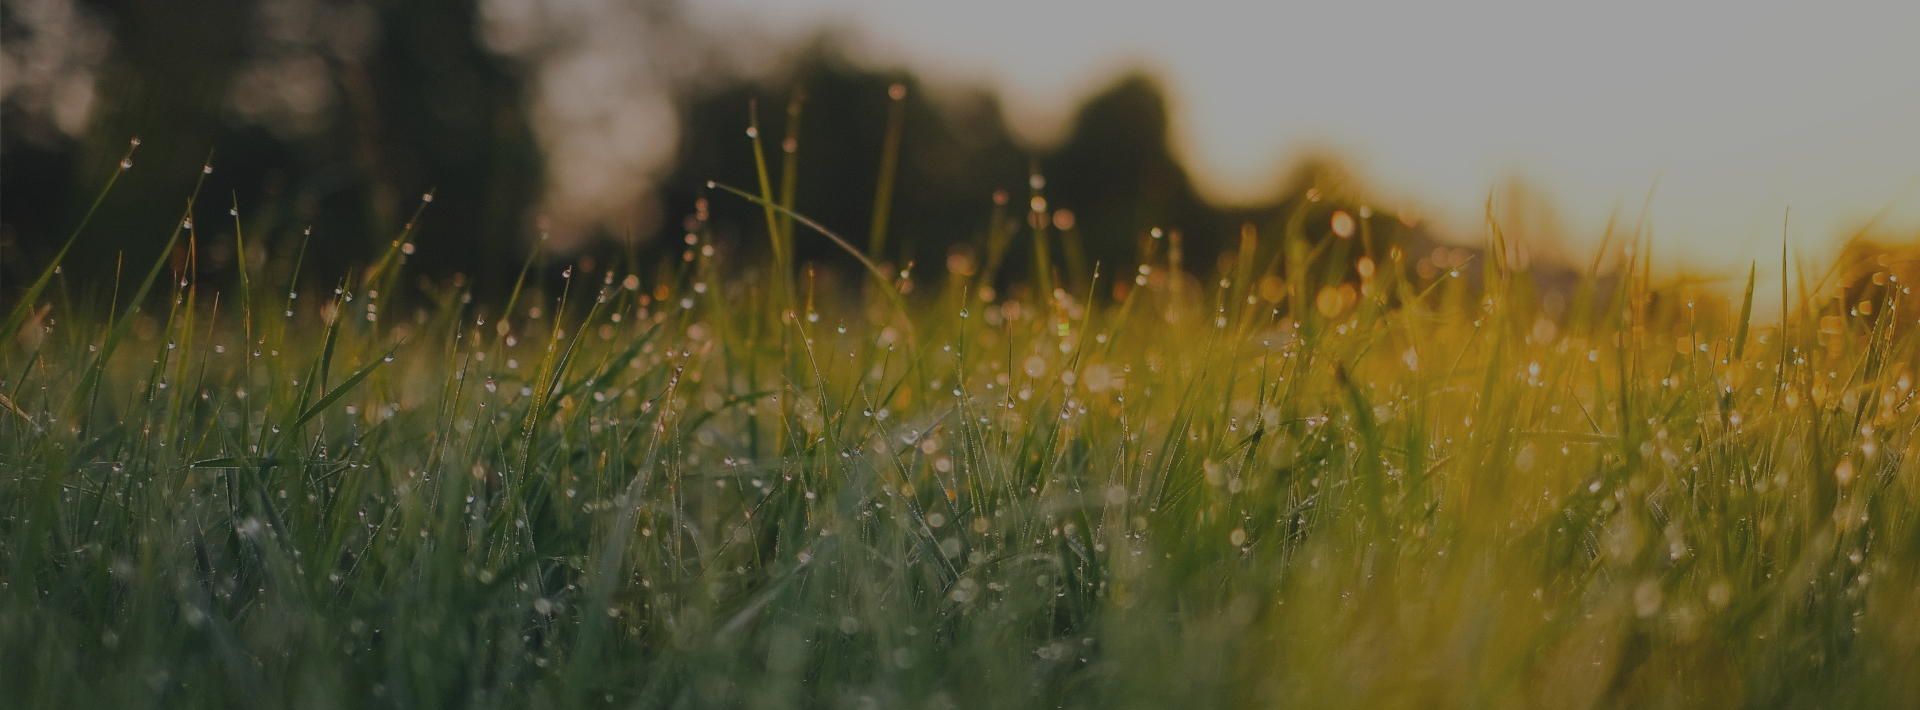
(728, 485)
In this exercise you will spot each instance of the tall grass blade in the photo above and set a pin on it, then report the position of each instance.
(18, 316)
(1746, 315)
(889, 162)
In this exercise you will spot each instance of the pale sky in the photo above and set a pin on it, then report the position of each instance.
(1738, 110)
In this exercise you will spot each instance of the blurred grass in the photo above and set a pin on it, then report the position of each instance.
(724, 486)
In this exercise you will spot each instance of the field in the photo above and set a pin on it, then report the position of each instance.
(727, 480)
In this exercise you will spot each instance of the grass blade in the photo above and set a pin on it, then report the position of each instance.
(21, 310)
(336, 393)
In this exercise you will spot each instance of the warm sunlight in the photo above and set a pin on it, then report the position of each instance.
(1734, 111)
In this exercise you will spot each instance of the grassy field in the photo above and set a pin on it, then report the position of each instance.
(721, 481)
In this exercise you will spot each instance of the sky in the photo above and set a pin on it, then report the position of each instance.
(1716, 117)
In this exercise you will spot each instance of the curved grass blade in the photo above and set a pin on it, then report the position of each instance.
(25, 307)
(341, 391)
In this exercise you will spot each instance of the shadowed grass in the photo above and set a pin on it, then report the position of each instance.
(686, 492)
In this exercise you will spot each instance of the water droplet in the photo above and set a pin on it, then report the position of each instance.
(1342, 224)
(125, 164)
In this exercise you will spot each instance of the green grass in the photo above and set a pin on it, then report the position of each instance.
(707, 488)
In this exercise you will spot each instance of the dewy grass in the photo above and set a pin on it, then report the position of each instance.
(677, 492)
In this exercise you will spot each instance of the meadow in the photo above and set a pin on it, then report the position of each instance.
(1331, 474)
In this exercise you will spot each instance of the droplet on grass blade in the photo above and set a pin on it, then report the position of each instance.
(1342, 224)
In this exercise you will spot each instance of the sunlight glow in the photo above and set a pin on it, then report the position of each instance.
(1728, 114)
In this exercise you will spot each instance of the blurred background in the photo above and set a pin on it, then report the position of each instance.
(595, 124)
